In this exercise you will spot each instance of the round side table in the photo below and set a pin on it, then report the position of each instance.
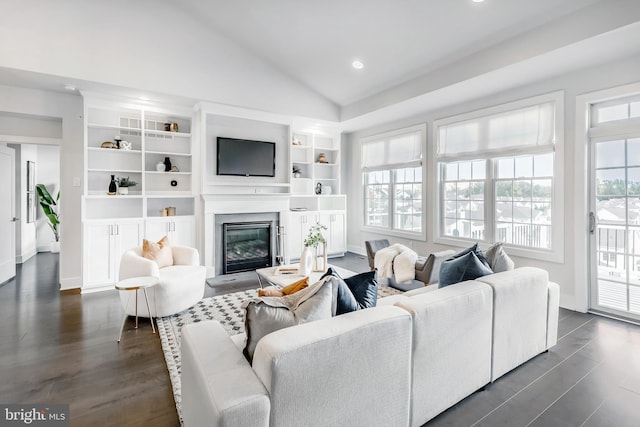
(135, 284)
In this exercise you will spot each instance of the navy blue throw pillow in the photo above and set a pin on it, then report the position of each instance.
(475, 249)
(467, 266)
(364, 287)
(355, 292)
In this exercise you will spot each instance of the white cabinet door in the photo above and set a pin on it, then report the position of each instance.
(128, 235)
(336, 233)
(156, 228)
(104, 243)
(179, 230)
(98, 254)
(299, 225)
(183, 231)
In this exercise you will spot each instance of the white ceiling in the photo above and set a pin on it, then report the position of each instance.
(316, 41)
(294, 56)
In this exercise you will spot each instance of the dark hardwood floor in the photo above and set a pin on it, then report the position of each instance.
(61, 348)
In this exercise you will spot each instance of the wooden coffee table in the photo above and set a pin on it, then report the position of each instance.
(279, 277)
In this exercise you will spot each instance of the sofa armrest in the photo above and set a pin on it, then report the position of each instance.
(428, 269)
(219, 388)
(134, 265)
(183, 255)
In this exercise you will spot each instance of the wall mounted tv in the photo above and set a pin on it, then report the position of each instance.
(244, 157)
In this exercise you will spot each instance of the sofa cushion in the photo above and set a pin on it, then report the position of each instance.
(264, 315)
(461, 268)
(498, 259)
(159, 252)
(355, 292)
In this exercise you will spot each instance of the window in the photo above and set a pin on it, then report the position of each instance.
(497, 177)
(392, 179)
(615, 110)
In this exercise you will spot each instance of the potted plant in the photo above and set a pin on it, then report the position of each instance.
(309, 257)
(50, 208)
(123, 184)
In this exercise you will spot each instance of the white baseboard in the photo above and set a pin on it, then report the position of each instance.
(359, 250)
(68, 283)
(97, 289)
(25, 257)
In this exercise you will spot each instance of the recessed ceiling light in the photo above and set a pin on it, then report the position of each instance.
(477, 1)
(357, 64)
(69, 87)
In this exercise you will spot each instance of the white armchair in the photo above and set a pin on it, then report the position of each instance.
(181, 285)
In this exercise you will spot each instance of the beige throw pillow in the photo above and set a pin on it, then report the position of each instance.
(159, 252)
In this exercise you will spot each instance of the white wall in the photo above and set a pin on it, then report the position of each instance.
(147, 45)
(69, 109)
(47, 173)
(612, 74)
(234, 127)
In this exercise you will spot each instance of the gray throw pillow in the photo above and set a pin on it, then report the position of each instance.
(461, 268)
(498, 259)
(268, 314)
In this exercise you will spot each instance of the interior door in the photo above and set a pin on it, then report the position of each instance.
(7, 215)
(615, 225)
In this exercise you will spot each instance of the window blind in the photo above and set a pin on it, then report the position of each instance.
(530, 128)
(402, 150)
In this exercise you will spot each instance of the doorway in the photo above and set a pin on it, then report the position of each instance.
(614, 146)
(7, 215)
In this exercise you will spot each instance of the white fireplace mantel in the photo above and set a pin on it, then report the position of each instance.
(218, 204)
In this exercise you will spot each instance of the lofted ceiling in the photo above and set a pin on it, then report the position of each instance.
(316, 41)
(292, 56)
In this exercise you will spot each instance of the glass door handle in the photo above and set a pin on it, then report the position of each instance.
(592, 222)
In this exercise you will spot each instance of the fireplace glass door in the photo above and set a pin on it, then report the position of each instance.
(247, 246)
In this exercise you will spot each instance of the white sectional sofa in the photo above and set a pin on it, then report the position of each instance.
(400, 364)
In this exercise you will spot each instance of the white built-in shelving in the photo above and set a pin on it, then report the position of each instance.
(118, 222)
(315, 191)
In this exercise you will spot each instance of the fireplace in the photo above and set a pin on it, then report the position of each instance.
(246, 246)
(245, 241)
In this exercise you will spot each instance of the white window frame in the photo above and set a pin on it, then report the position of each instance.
(390, 231)
(556, 253)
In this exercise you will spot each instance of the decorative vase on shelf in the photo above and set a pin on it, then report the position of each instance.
(167, 164)
(306, 261)
(112, 186)
(160, 166)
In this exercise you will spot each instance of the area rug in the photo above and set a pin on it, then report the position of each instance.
(223, 308)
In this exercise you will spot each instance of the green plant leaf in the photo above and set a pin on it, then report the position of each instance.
(48, 207)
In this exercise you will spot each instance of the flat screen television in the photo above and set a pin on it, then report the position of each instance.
(244, 157)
